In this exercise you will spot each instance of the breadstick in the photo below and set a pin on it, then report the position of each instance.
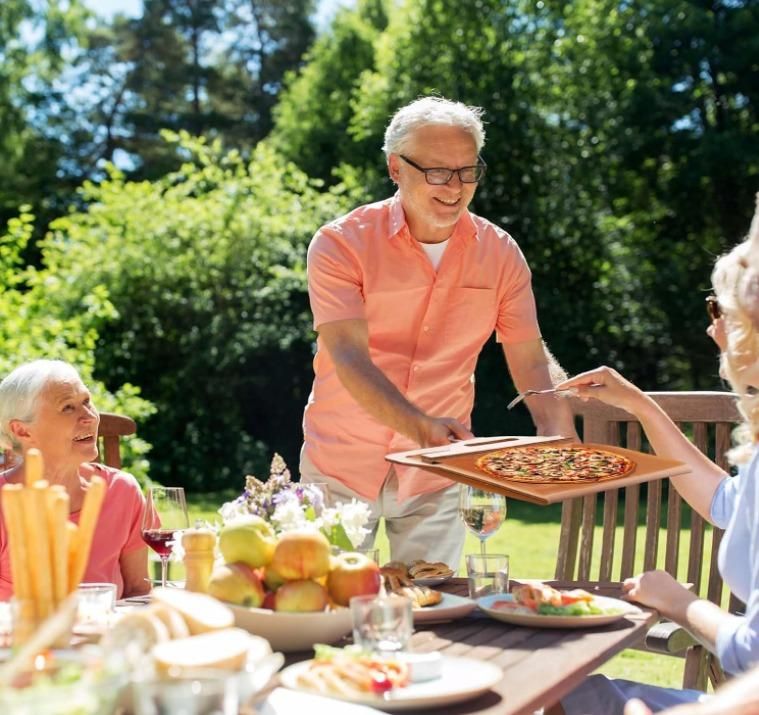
(72, 536)
(93, 500)
(33, 467)
(14, 519)
(35, 503)
(57, 514)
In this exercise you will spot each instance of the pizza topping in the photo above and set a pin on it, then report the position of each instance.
(555, 464)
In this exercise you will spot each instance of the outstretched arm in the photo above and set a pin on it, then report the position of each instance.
(347, 342)
(698, 487)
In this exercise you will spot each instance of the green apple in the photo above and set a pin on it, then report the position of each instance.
(300, 596)
(236, 583)
(249, 540)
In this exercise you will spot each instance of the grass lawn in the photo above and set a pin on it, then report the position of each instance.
(530, 536)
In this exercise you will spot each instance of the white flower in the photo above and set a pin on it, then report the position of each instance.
(289, 515)
(354, 515)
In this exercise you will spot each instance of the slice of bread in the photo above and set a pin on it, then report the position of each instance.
(172, 619)
(224, 650)
(201, 612)
(141, 626)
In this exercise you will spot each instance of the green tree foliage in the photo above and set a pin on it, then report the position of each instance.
(313, 116)
(31, 328)
(205, 271)
(33, 39)
(621, 152)
(210, 67)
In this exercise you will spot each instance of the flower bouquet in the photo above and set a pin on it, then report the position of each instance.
(291, 506)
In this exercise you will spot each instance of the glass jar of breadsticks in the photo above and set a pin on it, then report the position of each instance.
(48, 553)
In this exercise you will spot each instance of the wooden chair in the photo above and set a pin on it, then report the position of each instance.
(112, 428)
(708, 417)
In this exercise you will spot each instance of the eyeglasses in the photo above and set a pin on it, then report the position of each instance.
(438, 175)
(713, 308)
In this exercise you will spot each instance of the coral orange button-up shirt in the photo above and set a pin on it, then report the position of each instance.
(426, 330)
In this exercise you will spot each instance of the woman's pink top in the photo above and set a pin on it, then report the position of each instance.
(118, 531)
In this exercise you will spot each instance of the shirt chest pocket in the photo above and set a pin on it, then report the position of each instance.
(470, 314)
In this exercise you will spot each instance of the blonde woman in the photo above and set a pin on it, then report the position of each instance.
(729, 503)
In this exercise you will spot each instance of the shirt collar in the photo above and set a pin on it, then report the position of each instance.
(465, 228)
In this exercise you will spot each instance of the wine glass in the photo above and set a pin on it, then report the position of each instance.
(481, 511)
(165, 513)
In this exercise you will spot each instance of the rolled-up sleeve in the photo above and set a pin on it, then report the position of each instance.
(335, 287)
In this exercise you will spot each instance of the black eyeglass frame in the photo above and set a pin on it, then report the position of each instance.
(480, 166)
(713, 308)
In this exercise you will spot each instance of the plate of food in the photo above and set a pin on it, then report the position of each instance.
(541, 606)
(390, 684)
(428, 603)
(429, 573)
(65, 682)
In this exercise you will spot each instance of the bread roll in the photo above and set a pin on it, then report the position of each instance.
(224, 650)
(202, 613)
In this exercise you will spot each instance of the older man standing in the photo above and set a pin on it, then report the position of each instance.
(404, 293)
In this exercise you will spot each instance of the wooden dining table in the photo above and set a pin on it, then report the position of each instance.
(540, 665)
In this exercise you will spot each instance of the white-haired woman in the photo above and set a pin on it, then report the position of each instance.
(44, 404)
(729, 503)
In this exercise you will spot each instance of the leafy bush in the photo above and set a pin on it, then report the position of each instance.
(205, 273)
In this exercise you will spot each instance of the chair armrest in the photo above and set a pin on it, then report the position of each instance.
(668, 638)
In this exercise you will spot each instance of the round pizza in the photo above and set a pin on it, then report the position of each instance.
(539, 465)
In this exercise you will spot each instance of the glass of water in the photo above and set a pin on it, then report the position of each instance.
(487, 574)
(382, 624)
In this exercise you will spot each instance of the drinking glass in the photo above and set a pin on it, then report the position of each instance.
(382, 624)
(165, 513)
(481, 511)
(487, 574)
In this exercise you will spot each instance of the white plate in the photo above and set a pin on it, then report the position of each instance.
(292, 632)
(536, 620)
(432, 581)
(448, 609)
(461, 679)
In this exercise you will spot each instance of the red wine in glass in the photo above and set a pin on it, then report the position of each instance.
(165, 514)
(158, 540)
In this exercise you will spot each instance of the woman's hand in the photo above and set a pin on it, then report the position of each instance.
(716, 331)
(613, 388)
(658, 590)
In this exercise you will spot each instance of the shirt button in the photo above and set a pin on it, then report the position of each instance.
(426, 328)
(416, 368)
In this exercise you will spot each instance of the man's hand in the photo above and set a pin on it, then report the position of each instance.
(440, 430)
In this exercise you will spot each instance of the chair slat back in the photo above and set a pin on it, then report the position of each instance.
(112, 428)
(708, 417)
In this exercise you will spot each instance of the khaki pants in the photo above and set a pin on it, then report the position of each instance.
(422, 527)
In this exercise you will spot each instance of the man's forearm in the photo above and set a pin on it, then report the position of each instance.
(369, 386)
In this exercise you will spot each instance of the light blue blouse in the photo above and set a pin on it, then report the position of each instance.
(735, 508)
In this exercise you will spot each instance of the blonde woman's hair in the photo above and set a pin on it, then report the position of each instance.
(20, 391)
(735, 279)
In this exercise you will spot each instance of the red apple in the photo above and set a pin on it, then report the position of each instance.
(352, 574)
(236, 583)
(300, 596)
(271, 578)
(269, 600)
(301, 555)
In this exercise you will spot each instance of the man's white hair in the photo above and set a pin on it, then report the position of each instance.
(21, 389)
(432, 110)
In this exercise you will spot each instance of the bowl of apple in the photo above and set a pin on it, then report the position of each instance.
(290, 590)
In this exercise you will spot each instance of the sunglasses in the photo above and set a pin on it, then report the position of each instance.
(713, 308)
